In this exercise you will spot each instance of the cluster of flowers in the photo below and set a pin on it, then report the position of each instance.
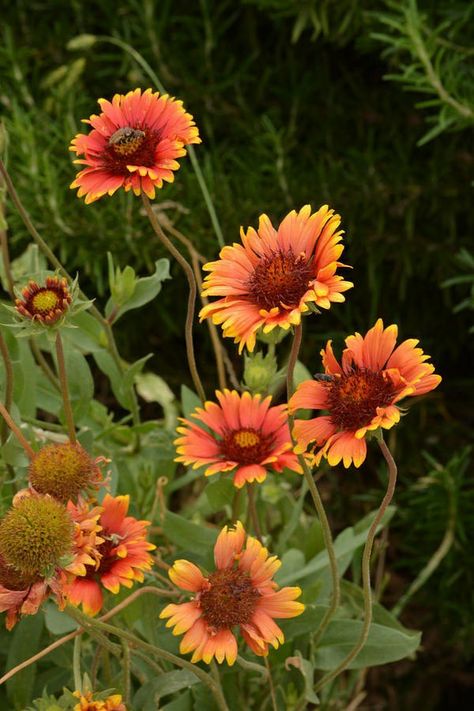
(55, 540)
(268, 281)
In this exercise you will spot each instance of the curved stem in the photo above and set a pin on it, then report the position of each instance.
(318, 503)
(290, 370)
(191, 299)
(16, 431)
(392, 480)
(65, 388)
(93, 624)
(192, 154)
(72, 635)
(216, 676)
(76, 664)
(253, 511)
(49, 254)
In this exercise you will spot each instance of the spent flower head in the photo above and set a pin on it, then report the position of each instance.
(35, 534)
(63, 470)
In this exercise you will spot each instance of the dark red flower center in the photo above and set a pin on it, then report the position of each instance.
(353, 397)
(280, 279)
(246, 446)
(230, 600)
(130, 146)
(108, 557)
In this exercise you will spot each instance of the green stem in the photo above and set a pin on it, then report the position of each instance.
(192, 154)
(43, 364)
(65, 389)
(271, 685)
(392, 480)
(16, 431)
(76, 664)
(126, 671)
(318, 503)
(191, 299)
(90, 623)
(253, 511)
(252, 666)
(49, 254)
(216, 676)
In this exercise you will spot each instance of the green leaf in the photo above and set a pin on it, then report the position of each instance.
(57, 622)
(189, 400)
(144, 291)
(80, 381)
(384, 645)
(220, 494)
(345, 545)
(307, 671)
(304, 624)
(24, 643)
(152, 388)
(188, 535)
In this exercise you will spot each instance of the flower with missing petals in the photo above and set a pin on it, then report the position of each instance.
(45, 303)
(242, 434)
(123, 556)
(361, 394)
(240, 593)
(63, 470)
(134, 144)
(275, 275)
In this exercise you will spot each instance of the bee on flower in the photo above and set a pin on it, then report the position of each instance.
(134, 144)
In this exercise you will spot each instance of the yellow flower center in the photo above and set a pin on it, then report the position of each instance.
(246, 438)
(45, 300)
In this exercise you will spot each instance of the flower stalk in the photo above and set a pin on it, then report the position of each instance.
(191, 298)
(318, 503)
(65, 389)
(392, 480)
(16, 431)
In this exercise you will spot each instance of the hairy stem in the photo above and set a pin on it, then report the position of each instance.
(192, 154)
(16, 431)
(392, 480)
(76, 664)
(65, 389)
(49, 254)
(318, 503)
(253, 511)
(147, 589)
(191, 299)
(93, 624)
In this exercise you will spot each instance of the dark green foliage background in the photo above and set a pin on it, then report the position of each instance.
(292, 107)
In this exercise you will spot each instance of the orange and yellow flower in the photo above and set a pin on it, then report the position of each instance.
(361, 394)
(88, 703)
(275, 275)
(239, 593)
(242, 434)
(122, 556)
(134, 144)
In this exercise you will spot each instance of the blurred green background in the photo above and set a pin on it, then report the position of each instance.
(367, 106)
